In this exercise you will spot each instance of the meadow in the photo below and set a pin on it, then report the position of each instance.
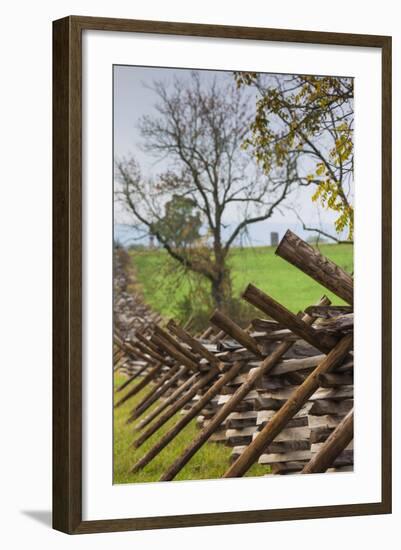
(163, 290)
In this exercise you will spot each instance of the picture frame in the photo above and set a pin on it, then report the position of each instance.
(68, 295)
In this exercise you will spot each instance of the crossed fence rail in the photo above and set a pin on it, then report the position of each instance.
(279, 393)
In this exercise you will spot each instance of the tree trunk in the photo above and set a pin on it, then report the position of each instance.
(221, 288)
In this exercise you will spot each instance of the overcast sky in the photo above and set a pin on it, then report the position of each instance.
(133, 98)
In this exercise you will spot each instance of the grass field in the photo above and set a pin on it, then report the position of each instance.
(259, 266)
(210, 462)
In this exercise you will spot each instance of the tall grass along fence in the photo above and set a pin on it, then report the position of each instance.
(279, 393)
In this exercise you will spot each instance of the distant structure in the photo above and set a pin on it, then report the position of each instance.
(274, 238)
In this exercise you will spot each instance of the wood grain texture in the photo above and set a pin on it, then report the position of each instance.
(309, 260)
(298, 398)
(332, 447)
(265, 366)
(175, 353)
(223, 322)
(386, 47)
(196, 346)
(67, 278)
(279, 313)
(67, 274)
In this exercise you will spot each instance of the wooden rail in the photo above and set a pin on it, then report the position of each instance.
(274, 398)
(299, 397)
(266, 365)
(306, 258)
(333, 446)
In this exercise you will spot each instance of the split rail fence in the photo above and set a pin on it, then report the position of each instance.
(279, 393)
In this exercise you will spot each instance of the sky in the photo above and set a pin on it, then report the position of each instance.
(133, 98)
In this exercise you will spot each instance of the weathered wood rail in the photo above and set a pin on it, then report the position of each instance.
(279, 393)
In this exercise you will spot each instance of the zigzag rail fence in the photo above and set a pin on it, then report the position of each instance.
(279, 393)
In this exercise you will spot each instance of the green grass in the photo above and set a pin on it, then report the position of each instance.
(210, 462)
(259, 266)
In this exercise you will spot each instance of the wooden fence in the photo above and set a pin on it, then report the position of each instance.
(279, 393)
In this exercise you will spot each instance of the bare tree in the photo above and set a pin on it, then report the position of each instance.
(198, 132)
